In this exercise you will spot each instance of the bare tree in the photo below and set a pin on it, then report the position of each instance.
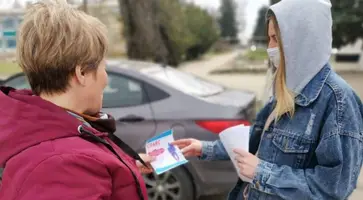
(241, 15)
(146, 37)
(85, 6)
(71, 1)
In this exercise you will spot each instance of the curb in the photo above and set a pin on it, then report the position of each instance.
(238, 71)
(3, 77)
(264, 70)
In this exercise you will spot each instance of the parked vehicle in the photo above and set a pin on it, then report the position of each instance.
(147, 99)
(350, 53)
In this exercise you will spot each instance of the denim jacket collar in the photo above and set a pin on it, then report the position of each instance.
(311, 92)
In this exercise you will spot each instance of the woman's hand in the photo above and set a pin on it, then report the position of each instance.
(147, 159)
(247, 163)
(189, 147)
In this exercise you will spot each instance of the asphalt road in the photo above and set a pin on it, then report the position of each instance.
(220, 197)
(356, 81)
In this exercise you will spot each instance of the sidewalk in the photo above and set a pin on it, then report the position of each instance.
(242, 66)
(2, 77)
(207, 64)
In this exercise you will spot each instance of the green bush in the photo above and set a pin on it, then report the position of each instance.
(204, 30)
(190, 29)
(257, 55)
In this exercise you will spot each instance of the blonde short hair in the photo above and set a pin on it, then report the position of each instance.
(53, 39)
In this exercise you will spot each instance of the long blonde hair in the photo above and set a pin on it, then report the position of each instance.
(285, 102)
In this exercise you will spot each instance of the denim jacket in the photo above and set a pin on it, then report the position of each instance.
(316, 154)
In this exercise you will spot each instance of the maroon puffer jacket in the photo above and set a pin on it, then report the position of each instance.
(44, 157)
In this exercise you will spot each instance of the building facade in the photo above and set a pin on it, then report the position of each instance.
(9, 23)
(106, 10)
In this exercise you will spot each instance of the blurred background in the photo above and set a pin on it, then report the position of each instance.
(219, 41)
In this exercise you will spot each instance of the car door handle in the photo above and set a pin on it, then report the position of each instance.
(131, 118)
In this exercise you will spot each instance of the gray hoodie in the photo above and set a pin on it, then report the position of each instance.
(306, 38)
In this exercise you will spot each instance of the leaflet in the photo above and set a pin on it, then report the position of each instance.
(167, 156)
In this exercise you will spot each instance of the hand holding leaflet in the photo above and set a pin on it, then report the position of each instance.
(167, 156)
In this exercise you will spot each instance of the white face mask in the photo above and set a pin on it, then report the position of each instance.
(274, 56)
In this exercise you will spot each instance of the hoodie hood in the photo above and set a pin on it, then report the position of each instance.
(306, 33)
(27, 120)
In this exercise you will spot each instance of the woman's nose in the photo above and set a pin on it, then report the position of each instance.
(272, 44)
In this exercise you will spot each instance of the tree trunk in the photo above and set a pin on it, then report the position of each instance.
(361, 59)
(143, 32)
(85, 6)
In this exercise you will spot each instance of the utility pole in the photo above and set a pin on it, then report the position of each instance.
(361, 58)
(85, 6)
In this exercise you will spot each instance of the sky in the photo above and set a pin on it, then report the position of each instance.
(251, 10)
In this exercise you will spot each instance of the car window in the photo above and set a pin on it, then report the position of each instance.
(18, 82)
(184, 82)
(154, 93)
(122, 91)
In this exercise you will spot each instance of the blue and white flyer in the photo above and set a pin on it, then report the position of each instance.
(167, 156)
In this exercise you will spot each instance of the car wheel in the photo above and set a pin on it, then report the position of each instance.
(172, 185)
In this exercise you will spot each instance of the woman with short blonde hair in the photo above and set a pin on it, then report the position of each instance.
(54, 141)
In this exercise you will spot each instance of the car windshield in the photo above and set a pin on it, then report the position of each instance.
(18, 82)
(184, 82)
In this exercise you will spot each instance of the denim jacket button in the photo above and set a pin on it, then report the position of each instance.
(257, 185)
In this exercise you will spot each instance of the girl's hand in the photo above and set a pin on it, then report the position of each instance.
(189, 147)
(247, 163)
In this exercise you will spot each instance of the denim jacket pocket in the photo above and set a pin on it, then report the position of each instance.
(292, 148)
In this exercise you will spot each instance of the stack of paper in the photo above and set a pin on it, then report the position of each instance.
(236, 137)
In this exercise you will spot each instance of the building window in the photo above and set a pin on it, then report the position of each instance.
(20, 19)
(8, 23)
(11, 43)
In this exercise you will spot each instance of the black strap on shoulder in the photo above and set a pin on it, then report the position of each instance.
(1, 174)
(93, 138)
(126, 148)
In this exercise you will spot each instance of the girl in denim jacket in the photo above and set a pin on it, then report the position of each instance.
(306, 142)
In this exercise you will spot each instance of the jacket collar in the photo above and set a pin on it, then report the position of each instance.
(312, 90)
(101, 122)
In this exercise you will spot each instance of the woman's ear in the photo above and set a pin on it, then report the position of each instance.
(80, 75)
